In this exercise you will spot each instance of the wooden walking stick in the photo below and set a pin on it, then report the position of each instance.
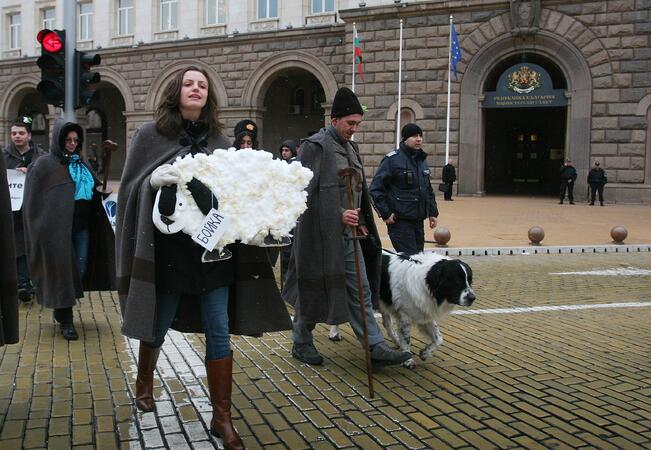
(349, 174)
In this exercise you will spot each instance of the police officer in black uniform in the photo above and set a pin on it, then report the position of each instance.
(568, 177)
(402, 192)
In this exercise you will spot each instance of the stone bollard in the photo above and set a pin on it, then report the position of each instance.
(618, 233)
(536, 234)
(442, 235)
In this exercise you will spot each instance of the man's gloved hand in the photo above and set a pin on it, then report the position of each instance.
(164, 175)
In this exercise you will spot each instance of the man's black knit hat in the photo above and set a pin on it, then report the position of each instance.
(345, 104)
(409, 130)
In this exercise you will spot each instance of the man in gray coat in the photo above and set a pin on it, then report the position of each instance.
(322, 279)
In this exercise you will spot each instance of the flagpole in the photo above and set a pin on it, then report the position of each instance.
(354, 36)
(447, 128)
(399, 89)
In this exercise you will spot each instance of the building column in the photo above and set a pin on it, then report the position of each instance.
(134, 120)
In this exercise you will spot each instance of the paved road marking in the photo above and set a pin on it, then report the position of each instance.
(621, 271)
(552, 308)
(529, 309)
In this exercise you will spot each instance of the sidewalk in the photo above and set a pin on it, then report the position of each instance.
(501, 221)
(549, 356)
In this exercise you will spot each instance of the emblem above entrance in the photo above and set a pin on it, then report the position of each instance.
(525, 16)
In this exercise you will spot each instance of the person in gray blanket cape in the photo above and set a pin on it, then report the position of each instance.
(162, 281)
(8, 294)
(321, 278)
(68, 239)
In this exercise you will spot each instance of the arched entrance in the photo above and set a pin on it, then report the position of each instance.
(525, 126)
(105, 120)
(574, 68)
(297, 78)
(293, 107)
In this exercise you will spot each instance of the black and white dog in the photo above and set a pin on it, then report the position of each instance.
(420, 290)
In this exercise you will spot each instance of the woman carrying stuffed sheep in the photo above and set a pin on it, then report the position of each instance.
(162, 281)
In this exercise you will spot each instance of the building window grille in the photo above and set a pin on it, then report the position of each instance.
(14, 31)
(49, 18)
(85, 21)
(125, 17)
(168, 15)
(267, 9)
(323, 6)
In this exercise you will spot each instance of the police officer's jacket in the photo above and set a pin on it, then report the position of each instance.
(402, 186)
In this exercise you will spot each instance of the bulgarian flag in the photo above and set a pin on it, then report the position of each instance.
(358, 53)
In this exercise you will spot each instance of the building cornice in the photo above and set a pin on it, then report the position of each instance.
(407, 9)
(418, 8)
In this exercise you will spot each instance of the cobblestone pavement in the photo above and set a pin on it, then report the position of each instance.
(524, 371)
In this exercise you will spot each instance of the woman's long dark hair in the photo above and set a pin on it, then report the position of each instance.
(238, 140)
(168, 115)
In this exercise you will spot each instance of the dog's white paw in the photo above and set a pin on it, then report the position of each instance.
(409, 364)
(334, 334)
(427, 352)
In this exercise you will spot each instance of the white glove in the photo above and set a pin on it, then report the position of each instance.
(164, 175)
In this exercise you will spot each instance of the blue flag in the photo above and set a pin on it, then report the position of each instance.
(455, 50)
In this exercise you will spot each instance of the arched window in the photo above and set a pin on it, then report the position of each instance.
(407, 115)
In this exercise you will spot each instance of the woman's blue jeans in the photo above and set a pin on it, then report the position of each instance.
(214, 317)
(80, 239)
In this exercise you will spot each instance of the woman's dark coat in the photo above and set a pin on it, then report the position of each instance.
(255, 304)
(14, 160)
(48, 209)
(316, 278)
(8, 292)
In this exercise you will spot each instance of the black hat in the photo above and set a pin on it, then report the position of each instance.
(409, 130)
(345, 104)
(246, 126)
(290, 144)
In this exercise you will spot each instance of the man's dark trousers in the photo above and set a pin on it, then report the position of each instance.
(407, 236)
(447, 195)
(594, 189)
(570, 190)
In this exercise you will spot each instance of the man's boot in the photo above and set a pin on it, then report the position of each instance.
(220, 383)
(147, 357)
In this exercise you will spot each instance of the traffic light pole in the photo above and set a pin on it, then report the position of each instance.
(70, 25)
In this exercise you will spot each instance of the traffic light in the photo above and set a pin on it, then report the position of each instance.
(52, 64)
(84, 77)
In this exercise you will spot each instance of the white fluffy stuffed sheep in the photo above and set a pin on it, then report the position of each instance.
(259, 195)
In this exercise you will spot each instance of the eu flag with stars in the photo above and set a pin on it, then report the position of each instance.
(455, 50)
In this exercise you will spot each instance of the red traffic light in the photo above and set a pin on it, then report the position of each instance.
(50, 40)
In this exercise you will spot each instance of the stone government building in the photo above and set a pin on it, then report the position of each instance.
(539, 80)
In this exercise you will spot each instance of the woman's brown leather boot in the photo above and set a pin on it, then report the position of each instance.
(147, 357)
(220, 382)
